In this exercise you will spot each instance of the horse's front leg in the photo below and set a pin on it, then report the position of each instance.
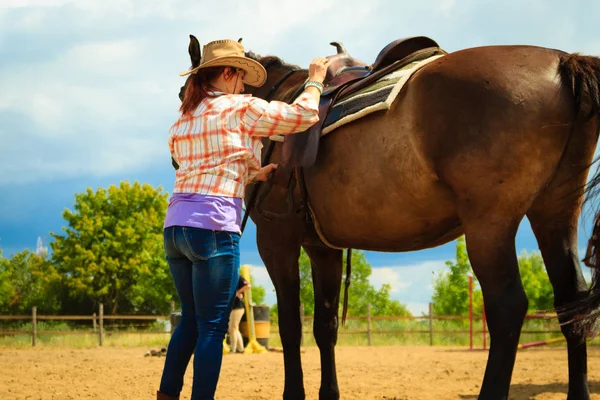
(280, 250)
(327, 276)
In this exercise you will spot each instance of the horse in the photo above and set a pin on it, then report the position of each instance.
(475, 141)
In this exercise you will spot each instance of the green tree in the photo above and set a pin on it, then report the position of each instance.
(6, 289)
(536, 282)
(360, 293)
(307, 292)
(28, 280)
(112, 251)
(258, 292)
(451, 288)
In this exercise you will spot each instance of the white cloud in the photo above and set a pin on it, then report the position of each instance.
(390, 276)
(119, 58)
(411, 284)
(445, 6)
(30, 20)
(106, 77)
(94, 82)
(8, 4)
(417, 309)
(102, 104)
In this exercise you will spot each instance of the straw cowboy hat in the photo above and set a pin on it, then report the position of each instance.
(229, 53)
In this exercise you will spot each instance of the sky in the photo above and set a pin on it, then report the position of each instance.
(88, 90)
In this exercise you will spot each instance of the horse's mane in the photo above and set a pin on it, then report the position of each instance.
(271, 61)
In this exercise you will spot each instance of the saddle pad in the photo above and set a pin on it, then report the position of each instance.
(376, 97)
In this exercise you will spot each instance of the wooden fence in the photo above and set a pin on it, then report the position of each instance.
(430, 318)
(428, 321)
(97, 321)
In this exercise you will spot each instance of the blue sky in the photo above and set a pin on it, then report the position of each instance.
(88, 90)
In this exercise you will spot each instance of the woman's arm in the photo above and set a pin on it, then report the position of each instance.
(264, 118)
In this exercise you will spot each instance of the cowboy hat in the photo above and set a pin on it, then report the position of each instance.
(229, 53)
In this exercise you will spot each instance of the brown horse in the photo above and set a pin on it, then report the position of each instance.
(476, 141)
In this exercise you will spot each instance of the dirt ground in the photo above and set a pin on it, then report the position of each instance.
(363, 373)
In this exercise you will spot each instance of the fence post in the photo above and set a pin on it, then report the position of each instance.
(301, 324)
(431, 324)
(33, 325)
(94, 322)
(369, 324)
(101, 324)
(484, 326)
(470, 312)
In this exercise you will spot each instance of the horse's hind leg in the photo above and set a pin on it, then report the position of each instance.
(279, 248)
(554, 222)
(327, 276)
(491, 249)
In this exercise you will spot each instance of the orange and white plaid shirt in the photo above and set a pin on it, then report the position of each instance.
(218, 146)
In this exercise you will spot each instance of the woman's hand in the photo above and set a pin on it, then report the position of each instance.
(264, 172)
(242, 290)
(318, 70)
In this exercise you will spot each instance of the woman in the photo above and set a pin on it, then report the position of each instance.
(236, 341)
(216, 142)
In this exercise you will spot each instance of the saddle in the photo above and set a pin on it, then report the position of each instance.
(346, 75)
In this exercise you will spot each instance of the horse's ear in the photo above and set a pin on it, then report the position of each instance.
(240, 40)
(194, 50)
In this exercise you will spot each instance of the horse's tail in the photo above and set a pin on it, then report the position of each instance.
(582, 75)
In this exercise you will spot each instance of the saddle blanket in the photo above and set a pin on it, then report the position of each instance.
(376, 97)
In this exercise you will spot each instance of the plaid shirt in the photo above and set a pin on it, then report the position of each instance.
(218, 146)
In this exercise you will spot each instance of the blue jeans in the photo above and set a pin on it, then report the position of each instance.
(205, 268)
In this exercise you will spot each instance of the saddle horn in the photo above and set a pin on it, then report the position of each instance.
(340, 47)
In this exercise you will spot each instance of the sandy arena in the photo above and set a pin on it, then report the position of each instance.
(363, 373)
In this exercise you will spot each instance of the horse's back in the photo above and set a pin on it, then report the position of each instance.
(482, 128)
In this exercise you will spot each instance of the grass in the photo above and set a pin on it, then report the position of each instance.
(82, 336)
(87, 340)
(445, 334)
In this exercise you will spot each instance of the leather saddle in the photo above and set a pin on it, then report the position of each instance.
(346, 75)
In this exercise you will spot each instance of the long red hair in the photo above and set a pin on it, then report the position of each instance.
(197, 87)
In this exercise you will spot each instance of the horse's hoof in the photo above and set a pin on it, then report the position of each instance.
(294, 396)
(330, 395)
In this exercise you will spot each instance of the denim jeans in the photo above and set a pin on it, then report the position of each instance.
(205, 268)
